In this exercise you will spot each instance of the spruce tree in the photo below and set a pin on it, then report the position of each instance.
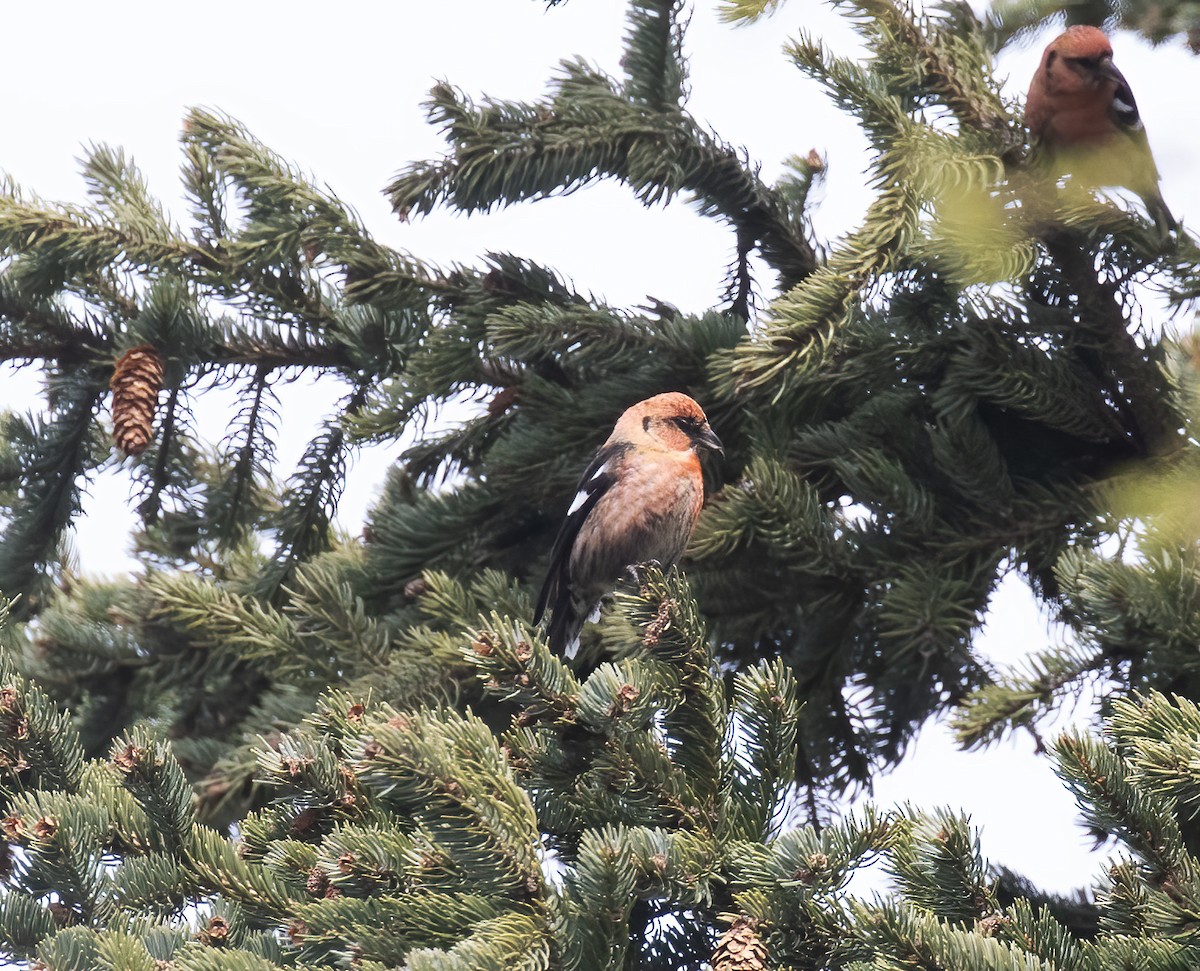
(275, 746)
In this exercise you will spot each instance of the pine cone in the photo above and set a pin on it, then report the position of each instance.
(739, 948)
(137, 379)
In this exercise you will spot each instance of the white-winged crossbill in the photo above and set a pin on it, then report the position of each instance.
(1085, 122)
(637, 503)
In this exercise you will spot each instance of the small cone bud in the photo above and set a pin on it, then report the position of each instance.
(137, 379)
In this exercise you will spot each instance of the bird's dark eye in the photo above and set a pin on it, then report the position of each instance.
(685, 424)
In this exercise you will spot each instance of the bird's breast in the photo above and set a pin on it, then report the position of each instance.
(648, 514)
(1080, 117)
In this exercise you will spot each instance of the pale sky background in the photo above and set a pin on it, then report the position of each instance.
(337, 89)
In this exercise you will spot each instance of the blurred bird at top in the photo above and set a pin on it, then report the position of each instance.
(637, 503)
(1085, 122)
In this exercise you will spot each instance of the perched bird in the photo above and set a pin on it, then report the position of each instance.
(637, 502)
(1085, 122)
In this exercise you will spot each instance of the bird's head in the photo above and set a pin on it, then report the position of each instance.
(1081, 57)
(672, 422)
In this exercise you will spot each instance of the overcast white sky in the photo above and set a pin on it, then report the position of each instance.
(337, 89)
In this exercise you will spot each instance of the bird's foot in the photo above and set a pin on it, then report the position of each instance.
(636, 572)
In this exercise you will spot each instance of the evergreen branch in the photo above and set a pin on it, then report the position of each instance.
(430, 531)
(151, 503)
(747, 11)
(365, 861)
(807, 319)
(937, 863)
(24, 922)
(153, 776)
(64, 841)
(528, 331)
(156, 883)
(111, 291)
(332, 616)
(1130, 611)
(964, 447)
(517, 667)
(216, 864)
(207, 191)
(503, 152)
(761, 764)
(310, 498)
(1021, 699)
(1113, 803)
(34, 327)
(604, 876)
(904, 935)
(619, 870)
(140, 946)
(855, 86)
(806, 322)
(1181, 287)
(1137, 953)
(1014, 21)
(1159, 739)
(255, 455)
(777, 508)
(447, 770)
(666, 614)
(76, 947)
(584, 340)
(512, 940)
(883, 483)
(1049, 925)
(739, 294)
(291, 230)
(51, 474)
(625, 696)
(307, 768)
(1126, 898)
(39, 747)
(456, 607)
(218, 619)
(68, 835)
(288, 219)
(57, 246)
(419, 930)
(195, 956)
(635, 780)
(266, 344)
(800, 872)
(83, 633)
(948, 57)
(120, 191)
(655, 69)
(1138, 398)
(1052, 388)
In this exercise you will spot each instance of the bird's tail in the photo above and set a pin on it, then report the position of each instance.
(565, 624)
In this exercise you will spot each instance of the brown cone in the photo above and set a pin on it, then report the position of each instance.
(739, 948)
(136, 381)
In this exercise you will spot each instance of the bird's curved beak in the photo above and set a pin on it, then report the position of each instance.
(707, 438)
(1107, 69)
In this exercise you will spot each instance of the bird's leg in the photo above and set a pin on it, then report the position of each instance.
(636, 571)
